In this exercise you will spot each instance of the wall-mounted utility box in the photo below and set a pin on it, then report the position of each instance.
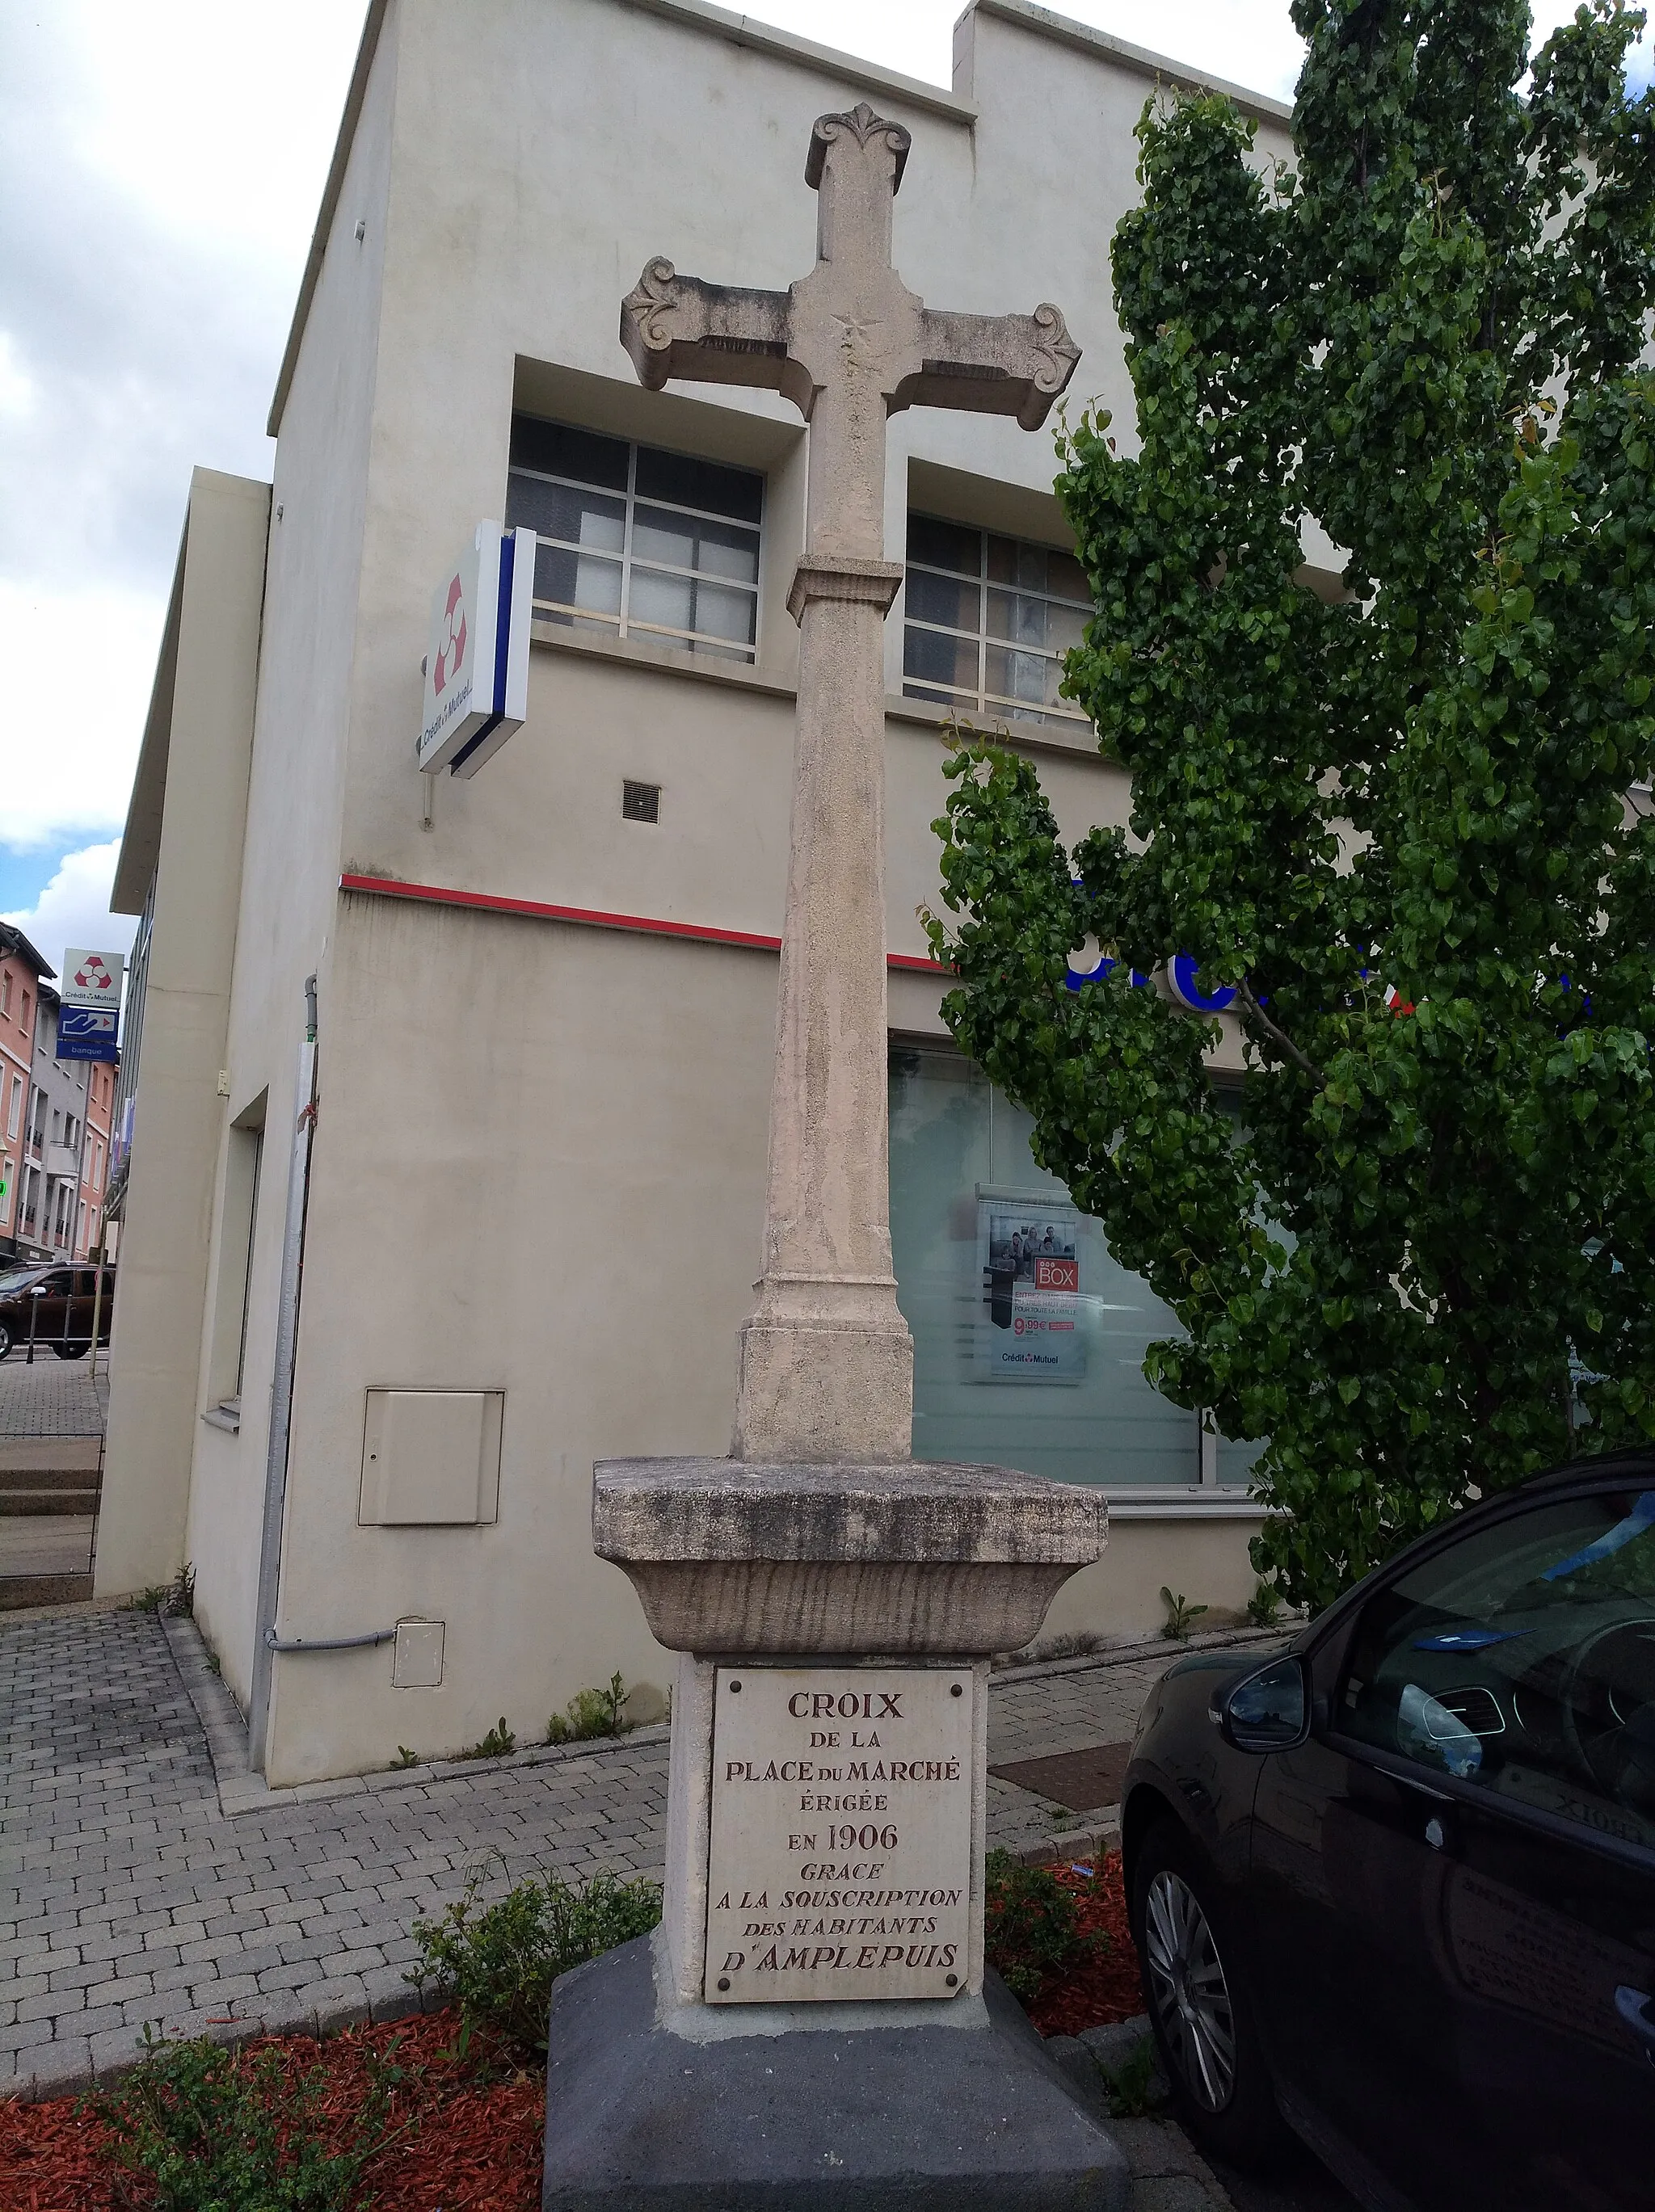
(431, 1458)
(417, 1662)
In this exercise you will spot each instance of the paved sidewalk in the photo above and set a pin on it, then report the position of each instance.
(147, 1876)
(55, 1397)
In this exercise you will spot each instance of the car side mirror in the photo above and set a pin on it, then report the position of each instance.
(1269, 1711)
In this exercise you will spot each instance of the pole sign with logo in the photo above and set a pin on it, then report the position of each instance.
(88, 1017)
(477, 654)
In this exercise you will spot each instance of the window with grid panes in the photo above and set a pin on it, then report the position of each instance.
(638, 543)
(988, 620)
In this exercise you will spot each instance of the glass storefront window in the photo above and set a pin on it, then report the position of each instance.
(1029, 1337)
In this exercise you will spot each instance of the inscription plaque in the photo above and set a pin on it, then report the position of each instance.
(841, 1857)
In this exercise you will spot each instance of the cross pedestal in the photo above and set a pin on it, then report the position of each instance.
(812, 2024)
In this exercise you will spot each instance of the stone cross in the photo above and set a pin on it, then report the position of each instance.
(826, 1369)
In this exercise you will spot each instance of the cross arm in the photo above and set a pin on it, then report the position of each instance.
(991, 364)
(679, 326)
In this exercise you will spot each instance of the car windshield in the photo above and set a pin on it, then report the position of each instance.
(19, 1278)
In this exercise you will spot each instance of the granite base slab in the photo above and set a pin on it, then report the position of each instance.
(908, 2119)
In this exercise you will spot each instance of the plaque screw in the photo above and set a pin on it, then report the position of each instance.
(950, 1978)
(735, 1686)
(724, 1981)
(955, 1691)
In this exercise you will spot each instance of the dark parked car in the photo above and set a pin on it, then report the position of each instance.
(1395, 1884)
(61, 1300)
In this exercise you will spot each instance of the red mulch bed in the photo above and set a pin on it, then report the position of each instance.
(1103, 1986)
(467, 2140)
(468, 2130)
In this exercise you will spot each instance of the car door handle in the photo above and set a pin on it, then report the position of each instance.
(1637, 2009)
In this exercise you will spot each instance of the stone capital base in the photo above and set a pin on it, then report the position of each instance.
(885, 1557)
(825, 1389)
(842, 578)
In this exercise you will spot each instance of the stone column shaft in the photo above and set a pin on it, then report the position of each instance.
(826, 1369)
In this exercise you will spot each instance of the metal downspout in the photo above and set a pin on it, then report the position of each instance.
(280, 1414)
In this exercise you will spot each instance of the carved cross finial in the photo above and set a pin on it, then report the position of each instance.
(826, 1361)
(851, 327)
(855, 167)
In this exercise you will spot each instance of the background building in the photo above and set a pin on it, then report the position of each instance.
(369, 1342)
(65, 1157)
(21, 970)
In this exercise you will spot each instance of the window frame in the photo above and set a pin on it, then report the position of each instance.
(1010, 711)
(623, 627)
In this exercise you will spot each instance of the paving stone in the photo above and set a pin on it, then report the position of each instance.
(149, 1875)
(53, 1398)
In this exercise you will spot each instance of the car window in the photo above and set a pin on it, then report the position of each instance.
(1523, 1659)
(15, 1278)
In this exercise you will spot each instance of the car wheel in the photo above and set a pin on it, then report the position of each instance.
(7, 1339)
(1203, 2022)
(72, 1351)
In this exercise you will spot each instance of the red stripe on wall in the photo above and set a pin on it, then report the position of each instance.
(590, 917)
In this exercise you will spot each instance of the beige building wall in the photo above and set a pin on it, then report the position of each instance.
(185, 829)
(539, 1150)
(563, 1205)
(293, 852)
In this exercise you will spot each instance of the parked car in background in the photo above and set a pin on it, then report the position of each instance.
(60, 1301)
(1395, 1884)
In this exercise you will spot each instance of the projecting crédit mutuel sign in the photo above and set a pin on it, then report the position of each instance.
(477, 654)
(89, 1016)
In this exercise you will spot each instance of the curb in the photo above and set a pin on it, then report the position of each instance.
(241, 1789)
(1148, 1647)
(1101, 1836)
(77, 2065)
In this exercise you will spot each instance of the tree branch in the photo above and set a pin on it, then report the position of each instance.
(1244, 993)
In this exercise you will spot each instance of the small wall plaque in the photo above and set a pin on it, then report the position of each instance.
(840, 1854)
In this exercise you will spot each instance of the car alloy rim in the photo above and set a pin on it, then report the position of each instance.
(1192, 1998)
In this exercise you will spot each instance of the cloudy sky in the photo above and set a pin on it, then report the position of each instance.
(160, 166)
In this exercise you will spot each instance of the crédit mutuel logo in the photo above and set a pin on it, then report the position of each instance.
(92, 975)
(451, 651)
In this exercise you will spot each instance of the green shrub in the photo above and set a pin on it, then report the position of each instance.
(1030, 1925)
(1180, 1615)
(216, 2130)
(591, 1714)
(499, 1743)
(1134, 2091)
(498, 1961)
(176, 1598)
(1264, 1606)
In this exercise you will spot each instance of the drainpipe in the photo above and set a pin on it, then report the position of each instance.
(275, 1643)
(281, 1410)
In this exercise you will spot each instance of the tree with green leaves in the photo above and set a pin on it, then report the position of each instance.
(1401, 819)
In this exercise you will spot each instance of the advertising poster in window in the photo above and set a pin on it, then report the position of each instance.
(1028, 1330)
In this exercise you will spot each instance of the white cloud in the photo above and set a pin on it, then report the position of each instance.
(217, 121)
(81, 666)
(74, 908)
(17, 388)
(161, 167)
